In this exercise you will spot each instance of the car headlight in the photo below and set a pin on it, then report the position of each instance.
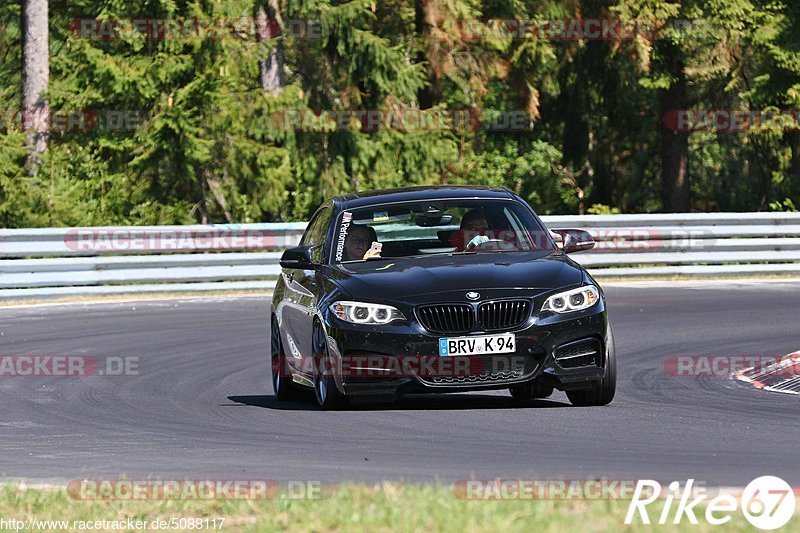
(572, 300)
(364, 313)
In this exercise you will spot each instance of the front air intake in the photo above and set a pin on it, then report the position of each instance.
(584, 352)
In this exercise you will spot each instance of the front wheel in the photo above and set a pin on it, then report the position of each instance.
(325, 390)
(602, 391)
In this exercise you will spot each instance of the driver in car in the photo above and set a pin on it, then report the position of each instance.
(358, 244)
(472, 231)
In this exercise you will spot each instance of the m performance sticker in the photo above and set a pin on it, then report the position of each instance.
(347, 217)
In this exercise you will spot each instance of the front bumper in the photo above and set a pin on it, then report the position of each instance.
(566, 353)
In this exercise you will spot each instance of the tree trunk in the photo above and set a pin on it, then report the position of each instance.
(215, 186)
(792, 138)
(674, 144)
(431, 94)
(35, 77)
(202, 204)
(575, 108)
(269, 25)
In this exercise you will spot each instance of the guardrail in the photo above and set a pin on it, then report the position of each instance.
(50, 262)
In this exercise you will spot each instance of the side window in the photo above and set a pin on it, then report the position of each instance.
(316, 231)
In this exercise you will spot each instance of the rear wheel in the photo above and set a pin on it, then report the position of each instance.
(281, 377)
(325, 390)
(602, 391)
(530, 391)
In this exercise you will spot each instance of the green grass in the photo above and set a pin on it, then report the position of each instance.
(386, 507)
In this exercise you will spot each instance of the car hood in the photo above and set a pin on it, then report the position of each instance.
(407, 279)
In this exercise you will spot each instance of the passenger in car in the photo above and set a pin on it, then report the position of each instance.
(358, 244)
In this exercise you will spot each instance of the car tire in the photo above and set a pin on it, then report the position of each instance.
(281, 381)
(325, 391)
(603, 390)
(530, 391)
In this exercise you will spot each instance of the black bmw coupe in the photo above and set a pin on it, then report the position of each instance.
(438, 289)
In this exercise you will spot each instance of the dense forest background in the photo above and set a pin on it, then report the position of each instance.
(152, 128)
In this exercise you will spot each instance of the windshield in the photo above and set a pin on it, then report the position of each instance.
(437, 227)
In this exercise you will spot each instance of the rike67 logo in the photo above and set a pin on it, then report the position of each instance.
(768, 502)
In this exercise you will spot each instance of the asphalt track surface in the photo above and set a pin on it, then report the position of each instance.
(201, 406)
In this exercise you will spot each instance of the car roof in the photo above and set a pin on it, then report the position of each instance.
(410, 194)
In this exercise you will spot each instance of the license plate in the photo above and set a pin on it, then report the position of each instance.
(487, 344)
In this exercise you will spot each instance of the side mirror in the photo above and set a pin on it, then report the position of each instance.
(299, 257)
(575, 240)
